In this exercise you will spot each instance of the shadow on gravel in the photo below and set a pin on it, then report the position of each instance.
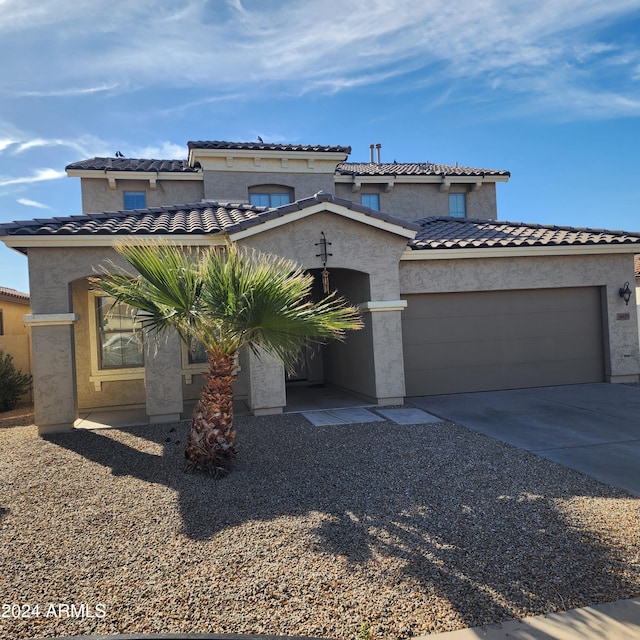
(444, 502)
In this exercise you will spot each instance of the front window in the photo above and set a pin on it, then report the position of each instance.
(371, 200)
(457, 205)
(119, 336)
(135, 200)
(197, 353)
(269, 199)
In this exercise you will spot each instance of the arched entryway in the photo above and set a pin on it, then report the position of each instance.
(337, 369)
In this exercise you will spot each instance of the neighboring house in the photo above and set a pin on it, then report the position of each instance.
(452, 299)
(14, 333)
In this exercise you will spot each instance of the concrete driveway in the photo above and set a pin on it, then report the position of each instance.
(592, 428)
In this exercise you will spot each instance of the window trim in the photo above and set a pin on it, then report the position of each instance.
(369, 195)
(191, 369)
(271, 190)
(134, 194)
(464, 202)
(98, 375)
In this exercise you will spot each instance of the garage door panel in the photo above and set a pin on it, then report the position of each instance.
(497, 327)
(485, 353)
(525, 375)
(499, 340)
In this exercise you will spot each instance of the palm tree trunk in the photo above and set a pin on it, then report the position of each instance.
(210, 443)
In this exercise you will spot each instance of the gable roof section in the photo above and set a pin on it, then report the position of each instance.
(413, 169)
(441, 233)
(201, 219)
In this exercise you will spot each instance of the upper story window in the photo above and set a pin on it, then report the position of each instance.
(119, 337)
(1, 327)
(135, 200)
(371, 200)
(457, 205)
(270, 195)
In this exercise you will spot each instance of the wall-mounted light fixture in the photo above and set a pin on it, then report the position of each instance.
(625, 293)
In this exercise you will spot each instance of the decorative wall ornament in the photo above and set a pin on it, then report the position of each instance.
(324, 255)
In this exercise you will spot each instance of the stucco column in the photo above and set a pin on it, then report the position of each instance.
(386, 342)
(267, 393)
(163, 377)
(54, 379)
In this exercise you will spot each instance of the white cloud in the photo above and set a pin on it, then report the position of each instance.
(32, 203)
(163, 151)
(296, 47)
(69, 92)
(39, 175)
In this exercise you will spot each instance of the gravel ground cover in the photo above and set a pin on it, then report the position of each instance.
(375, 529)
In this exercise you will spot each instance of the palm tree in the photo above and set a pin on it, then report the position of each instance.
(224, 298)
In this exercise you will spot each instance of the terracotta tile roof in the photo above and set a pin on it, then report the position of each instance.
(265, 146)
(13, 295)
(131, 164)
(463, 233)
(413, 169)
(203, 217)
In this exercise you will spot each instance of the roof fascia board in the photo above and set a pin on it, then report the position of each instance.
(333, 156)
(516, 252)
(81, 241)
(319, 208)
(134, 175)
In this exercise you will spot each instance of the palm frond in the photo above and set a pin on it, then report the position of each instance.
(227, 298)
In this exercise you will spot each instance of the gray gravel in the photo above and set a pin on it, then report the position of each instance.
(318, 531)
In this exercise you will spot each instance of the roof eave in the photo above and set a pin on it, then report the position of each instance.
(419, 179)
(457, 253)
(120, 174)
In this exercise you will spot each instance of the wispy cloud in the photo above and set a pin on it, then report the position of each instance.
(40, 175)
(32, 203)
(69, 92)
(248, 48)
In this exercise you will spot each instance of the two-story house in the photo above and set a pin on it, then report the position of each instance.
(452, 299)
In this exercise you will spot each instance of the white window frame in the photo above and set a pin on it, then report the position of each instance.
(98, 375)
(365, 195)
(136, 193)
(464, 200)
(190, 369)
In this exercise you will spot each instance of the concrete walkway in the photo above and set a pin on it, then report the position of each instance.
(613, 621)
(592, 428)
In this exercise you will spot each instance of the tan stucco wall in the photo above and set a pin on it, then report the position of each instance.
(12, 317)
(353, 245)
(415, 201)
(607, 271)
(363, 266)
(97, 196)
(233, 186)
(16, 337)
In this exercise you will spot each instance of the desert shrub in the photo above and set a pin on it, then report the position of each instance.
(13, 383)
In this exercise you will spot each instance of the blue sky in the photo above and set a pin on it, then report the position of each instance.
(549, 90)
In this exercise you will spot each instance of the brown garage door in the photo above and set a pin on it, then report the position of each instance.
(481, 341)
